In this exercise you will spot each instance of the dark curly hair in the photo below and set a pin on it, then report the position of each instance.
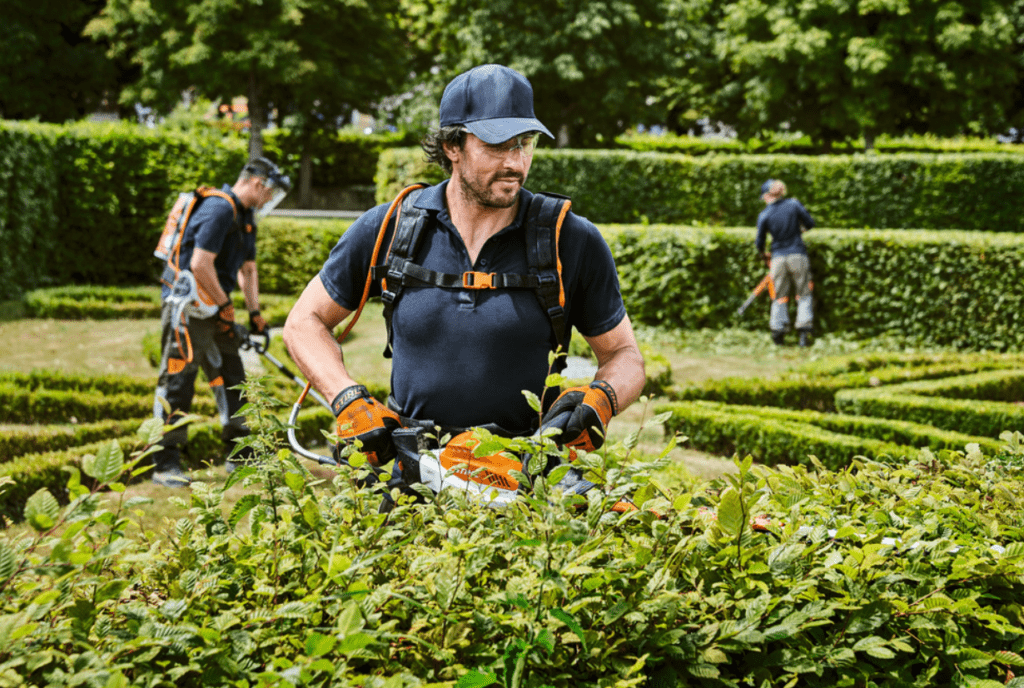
(433, 144)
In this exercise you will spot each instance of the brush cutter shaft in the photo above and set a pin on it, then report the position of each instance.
(261, 348)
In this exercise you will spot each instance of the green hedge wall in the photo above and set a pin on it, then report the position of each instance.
(948, 191)
(85, 203)
(696, 145)
(945, 288)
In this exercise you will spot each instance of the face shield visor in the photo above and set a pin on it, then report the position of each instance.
(277, 185)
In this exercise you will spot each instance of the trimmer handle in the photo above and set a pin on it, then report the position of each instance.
(259, 342)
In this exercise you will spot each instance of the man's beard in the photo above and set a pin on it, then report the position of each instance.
(482, 194)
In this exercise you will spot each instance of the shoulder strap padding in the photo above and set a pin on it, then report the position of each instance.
(543, 229)
(407, 237)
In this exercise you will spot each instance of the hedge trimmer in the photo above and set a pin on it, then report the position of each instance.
(765, 283)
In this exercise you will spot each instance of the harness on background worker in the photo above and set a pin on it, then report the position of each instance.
(187, 297)
(419, 456)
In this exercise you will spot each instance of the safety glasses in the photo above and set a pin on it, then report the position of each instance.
(526, 143)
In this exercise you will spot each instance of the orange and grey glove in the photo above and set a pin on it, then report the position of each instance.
(226, 324)
(257, 323)
(587, 411)
(361, 417)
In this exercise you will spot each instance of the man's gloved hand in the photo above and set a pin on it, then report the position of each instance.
(767, 256)
(226, 320)
(589, 409)
(361, 417)
(257, 323)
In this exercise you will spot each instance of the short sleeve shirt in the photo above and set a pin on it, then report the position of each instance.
(214, 227)
(782, 219)
(464, 357)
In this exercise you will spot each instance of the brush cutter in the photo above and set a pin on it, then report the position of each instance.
(765, 283)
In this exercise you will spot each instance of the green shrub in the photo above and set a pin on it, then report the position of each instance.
(695, 145)
(877, 575)
(843, 191)
(47, 438)
(780, 433)
(940, 288)
(93, 302)
(290, 252)
(985, 418)
(94, 197)
(771, 440)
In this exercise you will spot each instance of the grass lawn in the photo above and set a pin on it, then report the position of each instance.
(115, 346)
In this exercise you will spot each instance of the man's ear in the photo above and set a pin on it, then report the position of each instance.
(451, 150)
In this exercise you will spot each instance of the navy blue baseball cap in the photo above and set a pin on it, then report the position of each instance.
(493, 102)
(767, 186)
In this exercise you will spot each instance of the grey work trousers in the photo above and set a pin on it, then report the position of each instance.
(792, 273)
(183, 352)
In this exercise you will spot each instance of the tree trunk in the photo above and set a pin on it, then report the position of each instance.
(257, 116)
(869, 141)
(305, 180)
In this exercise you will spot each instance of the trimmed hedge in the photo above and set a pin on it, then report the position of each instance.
(46, 438)
(85, 203)
(987, 418)
(93, 302)
(909, 435)
(943, 288)
(724, 430)
(801, 390)
(35, 471)
(949, 191)
(696, 145)
(345, 159)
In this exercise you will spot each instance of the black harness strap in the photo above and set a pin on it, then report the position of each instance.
(543, 222)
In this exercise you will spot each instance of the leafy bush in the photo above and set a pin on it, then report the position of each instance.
(950, 191)
(939, 288)
(780, 436)
(986, 418)
(880, 574)
(695, 145)
(93, 198)
(46, 438)
(93, 302)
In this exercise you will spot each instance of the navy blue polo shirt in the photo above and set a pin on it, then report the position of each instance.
(214, 227)
(782, 219)
(463, 357)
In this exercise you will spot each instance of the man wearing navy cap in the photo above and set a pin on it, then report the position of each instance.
(468, 328)
(786, 220)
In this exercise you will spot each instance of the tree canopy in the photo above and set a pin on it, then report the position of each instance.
(48, 70)
(593, 64)
(840, 69)
(316, 58)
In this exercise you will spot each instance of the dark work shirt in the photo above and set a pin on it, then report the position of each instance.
(214, 227)
(461, 357)
(782, 219)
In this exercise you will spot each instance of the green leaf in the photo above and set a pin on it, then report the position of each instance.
(613, 613)
(8, 562)
(318, 644)
(42, 510)
(476, 679)
(242, 507)
(574, 625)
(294, 481)
(108, 463)
(151, 431)
(533, 400)
(730, 512)
(111, 591)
